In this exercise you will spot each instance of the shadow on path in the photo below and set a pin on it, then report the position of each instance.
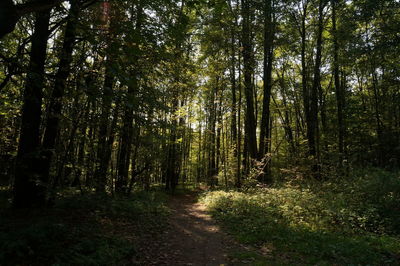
(193, 237)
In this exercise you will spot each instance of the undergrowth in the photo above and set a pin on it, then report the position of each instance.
(347, 221)
(81, 230)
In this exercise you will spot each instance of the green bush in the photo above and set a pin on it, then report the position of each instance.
(351, 221)
(80, 230)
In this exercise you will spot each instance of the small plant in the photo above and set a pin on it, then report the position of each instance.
(346, 222)
(81, 230)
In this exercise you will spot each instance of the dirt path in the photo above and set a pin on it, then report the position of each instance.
(193, 238)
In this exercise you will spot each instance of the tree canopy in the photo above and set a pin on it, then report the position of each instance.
(115, 96)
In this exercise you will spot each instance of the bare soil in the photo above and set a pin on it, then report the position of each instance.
(192, 238)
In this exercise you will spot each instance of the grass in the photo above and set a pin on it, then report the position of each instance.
(347, 222)
(80, 230)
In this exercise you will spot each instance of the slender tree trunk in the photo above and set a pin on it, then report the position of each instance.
(248, 84)
(233, 90)
(212, 168)
(269, 33)
(171, 174)
(134, 173)
(313, 122)
(125, 143)
(338, 88)
(101, 166)
(218, 144)
(55, 105)
(267, 79)
(238, 182)
(127, 129)
(304, 77)
(29, 189)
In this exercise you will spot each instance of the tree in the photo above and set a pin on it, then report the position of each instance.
(54, 111)
(269, 32)
(248, 61)
(29, 186)
(10, 13)
(338, 88)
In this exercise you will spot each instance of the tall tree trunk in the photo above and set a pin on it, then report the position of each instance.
(125, 143)
(238, 182)
(267, 79)
(304, 81)
(248, 62)
(174, 159)
(28, 190)
(233, 91)
(127, 128)
(55, 105)
(219, 128)
(134, 173)
(171, 173)
(338, 88)
(269, 33)
(105, 131)
(313, 122)
(212, 168)
(101, 165)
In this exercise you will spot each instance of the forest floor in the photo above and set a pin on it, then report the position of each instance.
(192, 238)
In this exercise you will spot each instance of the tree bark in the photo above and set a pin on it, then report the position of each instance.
(338, 88)
(55, 105)
(127, 128)
(29, 189)
(313, 121)
(267, 79)
(248, 84)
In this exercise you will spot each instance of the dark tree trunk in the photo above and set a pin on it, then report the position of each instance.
(313, 121)
(29, 189)
(134, 173)
(55, 105)
(212, 170)
(269, 34)
(127, 128)
(219, 128)
(304, 78)
(338, 88)
(238, 182)
(103, 136)
(248, 62)
(233, 91)
(125, 144)
(267, 79)
(171, 173)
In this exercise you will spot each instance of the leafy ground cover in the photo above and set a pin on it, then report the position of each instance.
(81, 230)
(347, 222)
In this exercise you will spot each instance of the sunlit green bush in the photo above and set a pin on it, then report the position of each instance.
(339, 221)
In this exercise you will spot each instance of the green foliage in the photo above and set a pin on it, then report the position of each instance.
(351, 221)
(80, 230)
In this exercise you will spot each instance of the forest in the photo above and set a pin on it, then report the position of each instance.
(200, 132)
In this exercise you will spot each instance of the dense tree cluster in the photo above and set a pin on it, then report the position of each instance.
(109, 95)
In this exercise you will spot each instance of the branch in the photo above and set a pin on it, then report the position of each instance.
(35, 6)
(11, 13)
